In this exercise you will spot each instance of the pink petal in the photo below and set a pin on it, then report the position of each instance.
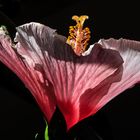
(79, 86)
(9, 56)
(75, 80)
(130, 52)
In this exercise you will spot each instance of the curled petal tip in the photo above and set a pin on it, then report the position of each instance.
(3, 30)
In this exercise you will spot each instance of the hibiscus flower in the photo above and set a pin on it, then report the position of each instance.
(79, 85)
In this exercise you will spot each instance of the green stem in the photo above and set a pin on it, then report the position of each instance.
(46, 132)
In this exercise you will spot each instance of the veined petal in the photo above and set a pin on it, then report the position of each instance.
(10, 57)
(130, 52)
(74, 79)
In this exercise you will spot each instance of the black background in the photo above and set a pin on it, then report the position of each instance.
(20, 117)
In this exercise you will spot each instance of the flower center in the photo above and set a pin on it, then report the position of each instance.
(79, 37)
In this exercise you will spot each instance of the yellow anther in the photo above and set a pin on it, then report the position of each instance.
(80, 20)
(79, 37)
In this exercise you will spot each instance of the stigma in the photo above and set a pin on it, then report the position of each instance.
(79, 36)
